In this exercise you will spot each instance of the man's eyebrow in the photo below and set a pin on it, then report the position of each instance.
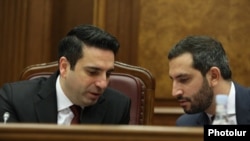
(97, 68)
(92, 67)
(180, 76)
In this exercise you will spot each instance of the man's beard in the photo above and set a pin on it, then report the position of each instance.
(201, 100)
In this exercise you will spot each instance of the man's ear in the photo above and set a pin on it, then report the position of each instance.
(214, 75)
(63, 65)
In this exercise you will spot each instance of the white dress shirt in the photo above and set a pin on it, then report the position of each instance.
(231, 105)
(65, 115)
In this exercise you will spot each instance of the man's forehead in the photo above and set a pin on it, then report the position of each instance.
(184, 60)
(181, 65)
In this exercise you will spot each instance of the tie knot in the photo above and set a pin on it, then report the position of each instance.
(76, 111)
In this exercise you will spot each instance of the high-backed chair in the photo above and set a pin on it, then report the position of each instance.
(136, 82)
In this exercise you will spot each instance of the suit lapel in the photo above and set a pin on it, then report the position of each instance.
(203, 119)
(45, 101)
(242, 105)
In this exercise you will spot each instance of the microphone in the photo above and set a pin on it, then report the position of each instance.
(6, 116)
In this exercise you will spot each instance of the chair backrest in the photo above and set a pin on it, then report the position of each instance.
(136, 82)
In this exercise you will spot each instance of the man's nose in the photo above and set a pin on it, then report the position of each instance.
(102, 82)
(176, 90)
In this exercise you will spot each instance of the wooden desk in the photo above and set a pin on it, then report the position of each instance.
(45, 132)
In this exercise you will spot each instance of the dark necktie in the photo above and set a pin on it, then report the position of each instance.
(76, 111)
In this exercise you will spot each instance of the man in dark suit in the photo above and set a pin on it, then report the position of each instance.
(86, 58)
(199, 69)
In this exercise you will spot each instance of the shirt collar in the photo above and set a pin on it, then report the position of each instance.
(231, 100)
(62, 100)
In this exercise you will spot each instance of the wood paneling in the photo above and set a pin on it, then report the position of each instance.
(164, 22)
(122, 20)
(166, 115)
(45, 132)
(23, 34)
(31, 30)
(166, 111)
(65, 15)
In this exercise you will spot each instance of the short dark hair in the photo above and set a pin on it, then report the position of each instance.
(72, 45)
(206, 52)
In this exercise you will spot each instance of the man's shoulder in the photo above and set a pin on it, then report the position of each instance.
(32, 83)
(241, 89)
(25, 82)
(188, 119)
(189, 116)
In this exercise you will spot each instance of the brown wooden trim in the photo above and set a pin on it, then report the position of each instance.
(99, 11)
(45, 132)
(162, 102)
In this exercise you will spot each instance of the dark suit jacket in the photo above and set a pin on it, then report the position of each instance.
(242, 102)
(34, 101)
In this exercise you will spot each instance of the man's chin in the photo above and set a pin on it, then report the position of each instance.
(188, 111)
(90, 102)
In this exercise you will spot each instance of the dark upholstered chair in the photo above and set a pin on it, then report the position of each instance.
(136, 82)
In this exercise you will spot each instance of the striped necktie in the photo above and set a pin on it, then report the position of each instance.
(76, 111)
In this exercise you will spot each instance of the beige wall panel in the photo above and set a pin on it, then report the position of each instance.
(165, 22)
